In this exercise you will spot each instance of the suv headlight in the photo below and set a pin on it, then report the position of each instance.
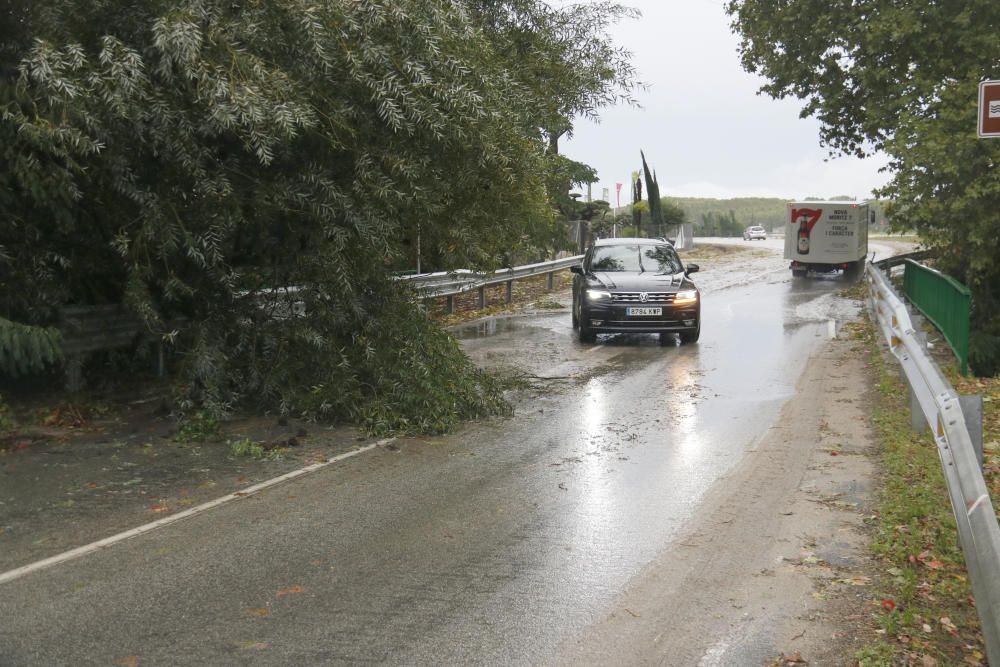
(685, 297)
(598, 295)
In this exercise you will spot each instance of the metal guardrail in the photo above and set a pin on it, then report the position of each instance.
(452, 283)
(978, 531)
(93, 328)
(899, 260)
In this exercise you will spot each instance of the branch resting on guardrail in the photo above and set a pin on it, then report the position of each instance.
(978, 531)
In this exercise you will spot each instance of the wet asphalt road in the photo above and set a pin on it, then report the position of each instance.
(490, 546)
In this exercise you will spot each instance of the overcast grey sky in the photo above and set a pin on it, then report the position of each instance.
(702, 125)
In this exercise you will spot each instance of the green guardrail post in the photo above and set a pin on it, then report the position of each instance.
(945, 302)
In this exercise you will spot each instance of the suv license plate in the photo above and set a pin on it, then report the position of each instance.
(640, 312)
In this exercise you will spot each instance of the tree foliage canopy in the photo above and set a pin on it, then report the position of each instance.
(903, 78)
(559, 55)
(182, 157)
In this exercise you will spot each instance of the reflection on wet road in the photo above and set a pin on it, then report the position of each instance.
(643, 431)
(490, 546)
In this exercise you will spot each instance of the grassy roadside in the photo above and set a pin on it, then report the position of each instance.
(924, 613)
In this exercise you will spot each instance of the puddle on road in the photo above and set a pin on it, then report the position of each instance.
(493, 326)
(490, 326)
(838, 554)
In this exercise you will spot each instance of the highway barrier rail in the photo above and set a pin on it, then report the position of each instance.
(978, 531)
(449, 284)
(91, 328)
(945, 301)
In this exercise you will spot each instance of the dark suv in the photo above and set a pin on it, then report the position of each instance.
(635, 285)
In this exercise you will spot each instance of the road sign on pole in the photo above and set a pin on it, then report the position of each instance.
(989, 109)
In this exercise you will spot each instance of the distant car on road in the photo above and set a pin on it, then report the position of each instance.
(754, 232)
(635, 285)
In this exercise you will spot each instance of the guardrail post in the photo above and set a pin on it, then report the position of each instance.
(482, 297)
(552, 280)
(510, 291)
(74, 373)
(451, 304)
(918, 326)
(918, 423)
(972, 410)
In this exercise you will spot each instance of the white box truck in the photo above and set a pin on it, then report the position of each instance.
(826, 236)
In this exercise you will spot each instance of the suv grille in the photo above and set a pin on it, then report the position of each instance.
(651, 297)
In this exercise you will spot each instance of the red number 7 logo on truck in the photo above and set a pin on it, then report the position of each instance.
(812, 216)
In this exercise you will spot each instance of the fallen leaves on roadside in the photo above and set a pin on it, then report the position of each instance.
(159, 508)
(69, 416)
(251, 645)
(13, 448)
(976, 658)
(856, 581)
(948, 625)
(257, 612)
(291, 590)
(128, 661)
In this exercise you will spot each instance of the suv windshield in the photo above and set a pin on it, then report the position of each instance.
(635, 257)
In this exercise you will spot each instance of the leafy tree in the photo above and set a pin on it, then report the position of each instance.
(638, 206)
(901, 77)
(769, 212)
(665, 217)
(673, 216)
(560, 176)
(562, 57)
(652, 194)
(719, 224)
(187, 157)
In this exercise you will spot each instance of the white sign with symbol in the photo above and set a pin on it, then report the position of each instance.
(989, 109)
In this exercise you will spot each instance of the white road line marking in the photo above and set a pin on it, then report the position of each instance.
(114, 539)
(597, 346)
